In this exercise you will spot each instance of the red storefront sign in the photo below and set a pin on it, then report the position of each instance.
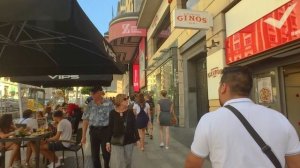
(275, 29)
(125, 29)
(136, 78)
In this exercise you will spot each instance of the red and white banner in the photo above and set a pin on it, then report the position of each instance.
(275, 29)
(125, 29)
(136, 78)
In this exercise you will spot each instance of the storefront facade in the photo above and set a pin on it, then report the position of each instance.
(268, 42)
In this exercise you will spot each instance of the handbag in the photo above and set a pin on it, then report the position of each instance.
(119, 140)
(264, 147)
(173, 120)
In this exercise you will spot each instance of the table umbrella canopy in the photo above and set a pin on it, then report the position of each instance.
(48, 37)
(65, 80)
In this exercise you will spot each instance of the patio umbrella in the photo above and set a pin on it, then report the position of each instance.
(65, 80)
(48, 37)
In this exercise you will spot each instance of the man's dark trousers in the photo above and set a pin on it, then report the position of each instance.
(98, 136)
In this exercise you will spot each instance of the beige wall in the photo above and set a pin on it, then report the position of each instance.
(181, 36)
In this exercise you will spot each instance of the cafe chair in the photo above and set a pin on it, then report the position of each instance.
(75, 147)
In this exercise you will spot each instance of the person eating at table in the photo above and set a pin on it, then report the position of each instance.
(31, 125)
(7, 129)
(64, 132)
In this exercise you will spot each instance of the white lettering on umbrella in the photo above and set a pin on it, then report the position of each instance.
(62, 77)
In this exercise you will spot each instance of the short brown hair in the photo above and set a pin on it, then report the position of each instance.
(164, 93)
(119, 99)
(239, 79)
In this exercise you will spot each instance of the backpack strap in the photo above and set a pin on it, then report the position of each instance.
(266, 149)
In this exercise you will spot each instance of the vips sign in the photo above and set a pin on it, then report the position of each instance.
(184, 18)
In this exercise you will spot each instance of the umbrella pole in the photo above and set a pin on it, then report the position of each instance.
(20, 99)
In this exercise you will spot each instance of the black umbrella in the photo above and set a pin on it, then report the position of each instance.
(42, 37)
(65, 80)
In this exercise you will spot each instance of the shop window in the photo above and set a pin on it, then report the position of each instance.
(190, 4)
(162, 33)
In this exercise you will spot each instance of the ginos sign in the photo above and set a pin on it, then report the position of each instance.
(190, 19)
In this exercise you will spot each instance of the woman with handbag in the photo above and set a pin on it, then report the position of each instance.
(141, 110)
(164, 118)
(123, 133)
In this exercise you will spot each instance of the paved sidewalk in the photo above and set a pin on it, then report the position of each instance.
(153, 156)
(156, 157)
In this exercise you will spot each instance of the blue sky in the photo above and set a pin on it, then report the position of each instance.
(99, 12)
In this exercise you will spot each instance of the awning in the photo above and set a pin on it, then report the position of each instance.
(39, 42)
(65, 80)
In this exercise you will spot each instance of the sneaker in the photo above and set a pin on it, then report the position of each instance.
(17, 164)
(162, 145)
(167, 147)
(57, 164)
(26, 165)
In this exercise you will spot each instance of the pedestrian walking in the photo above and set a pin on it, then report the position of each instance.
(96, 116)
(123, 133)
(223, 136)
(165, 113)
(142, 111)
(150, 101)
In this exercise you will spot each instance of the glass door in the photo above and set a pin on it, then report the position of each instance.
(266, 89)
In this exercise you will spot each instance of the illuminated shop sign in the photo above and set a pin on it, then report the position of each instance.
(136, 78)
(275, 29)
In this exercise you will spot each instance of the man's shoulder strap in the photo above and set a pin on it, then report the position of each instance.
(264, 147)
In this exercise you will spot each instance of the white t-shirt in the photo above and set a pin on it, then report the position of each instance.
(222, 136)
(31, 123)
(65, 127)
(138, 109)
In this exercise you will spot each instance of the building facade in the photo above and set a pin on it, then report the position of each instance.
(188, 62)
(128, 43)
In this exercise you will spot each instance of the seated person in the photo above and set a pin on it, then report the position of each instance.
(31, 124)
(27, 119)
(6, 130)
(64, 132)
(39, 115)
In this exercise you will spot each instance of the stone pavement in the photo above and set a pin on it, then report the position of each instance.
(152, 157)
(156, 157)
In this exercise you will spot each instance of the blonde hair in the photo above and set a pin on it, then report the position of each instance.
(163, 93)
(119, 99)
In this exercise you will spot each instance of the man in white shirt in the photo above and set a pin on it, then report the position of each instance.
(222, 136)
(27, 119)
(64, 132)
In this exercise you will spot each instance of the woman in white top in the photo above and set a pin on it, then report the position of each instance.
(31, 124)
(141, 110)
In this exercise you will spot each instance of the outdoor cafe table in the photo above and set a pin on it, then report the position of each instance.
(34, 138)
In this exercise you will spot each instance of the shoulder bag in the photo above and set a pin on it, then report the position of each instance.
(266, 149)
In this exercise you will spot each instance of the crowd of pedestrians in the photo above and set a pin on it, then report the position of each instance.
(112, 126)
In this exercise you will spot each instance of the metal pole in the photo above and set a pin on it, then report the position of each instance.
(20, 99)
(76, 96)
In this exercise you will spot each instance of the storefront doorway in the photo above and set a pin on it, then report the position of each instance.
(292, 93)
(201, 82)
